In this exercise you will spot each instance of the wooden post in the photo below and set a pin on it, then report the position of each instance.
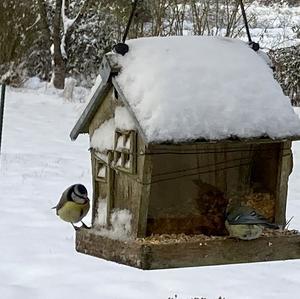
(285, 160)
(145, 197)
(110, 182)
(2, 111)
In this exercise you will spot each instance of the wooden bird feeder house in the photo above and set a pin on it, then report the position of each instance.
(177, 135)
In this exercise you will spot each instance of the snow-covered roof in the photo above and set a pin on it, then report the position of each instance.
(187, 88)
(191, 87)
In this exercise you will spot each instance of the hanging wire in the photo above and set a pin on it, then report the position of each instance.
(253, 45)
(221, 163)
(245, 21)
(201, 170)
(134, 5)
(227, 150)
(202, 152)
(122, 48)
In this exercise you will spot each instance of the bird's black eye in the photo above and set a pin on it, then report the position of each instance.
(81, 189)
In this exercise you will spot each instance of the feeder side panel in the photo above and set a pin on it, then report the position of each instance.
(284, 169)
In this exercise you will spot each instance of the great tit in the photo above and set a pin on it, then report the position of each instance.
(245, 223)
(73, 205)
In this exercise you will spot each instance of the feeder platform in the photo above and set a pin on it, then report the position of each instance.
(169, 251)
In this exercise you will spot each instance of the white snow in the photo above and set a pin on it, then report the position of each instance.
(127, 145)
(275, 25)
(127, 164)
(94, 88)
(185, 88)
(123, 119)
(103, 137)
(120, 142)
(120, 226)
(101, 212)
(33, 83)
(119, 162)
(67, 24)
(70, 84)
(38, 259)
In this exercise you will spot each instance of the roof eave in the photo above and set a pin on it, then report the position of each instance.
(127, 105)
(82, 124)
(227, 141)
(108, 68)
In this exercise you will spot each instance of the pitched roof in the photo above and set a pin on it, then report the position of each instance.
(187, 88)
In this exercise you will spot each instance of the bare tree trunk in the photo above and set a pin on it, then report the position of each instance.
(59, 67)
(44, 23)
(59, 62)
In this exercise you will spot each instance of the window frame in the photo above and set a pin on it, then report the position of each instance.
(98, 162)
(123, 152)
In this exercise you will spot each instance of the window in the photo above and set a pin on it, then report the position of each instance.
(125, 151)
(101, 169)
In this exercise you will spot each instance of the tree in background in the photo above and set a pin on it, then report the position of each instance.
(57, 29)
(287, 66)
(54, 39)
(79, 32)
(18, 23)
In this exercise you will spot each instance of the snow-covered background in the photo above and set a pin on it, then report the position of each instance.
(274, 26)
(38, 259)
(38, 161)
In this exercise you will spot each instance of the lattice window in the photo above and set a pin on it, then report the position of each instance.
(101, 169)
(125, 151)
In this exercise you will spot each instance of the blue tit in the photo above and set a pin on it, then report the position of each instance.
(73, 205)
(245, 223)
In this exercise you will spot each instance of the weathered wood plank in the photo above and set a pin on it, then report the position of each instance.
(145, 174)
(147, 256)
(95, 186)
(174, 146)
(218, 252)
(284, 169)
(128, 253)
(110, 186)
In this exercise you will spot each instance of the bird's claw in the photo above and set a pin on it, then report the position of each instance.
(75, 227)
(85, 226)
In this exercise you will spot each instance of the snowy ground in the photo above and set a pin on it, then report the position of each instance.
(38, 259)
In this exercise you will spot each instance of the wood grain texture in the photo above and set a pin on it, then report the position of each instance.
(284, 170)
(188, 254)
(197, 182)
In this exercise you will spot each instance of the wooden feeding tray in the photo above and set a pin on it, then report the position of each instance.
(175, 251)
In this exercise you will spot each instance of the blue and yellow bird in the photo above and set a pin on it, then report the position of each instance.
(245, 223)
(73, 205)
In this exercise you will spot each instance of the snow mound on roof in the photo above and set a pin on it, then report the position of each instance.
(185, 88)
(103, 137)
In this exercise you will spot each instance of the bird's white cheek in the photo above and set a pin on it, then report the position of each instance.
(80, 200)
